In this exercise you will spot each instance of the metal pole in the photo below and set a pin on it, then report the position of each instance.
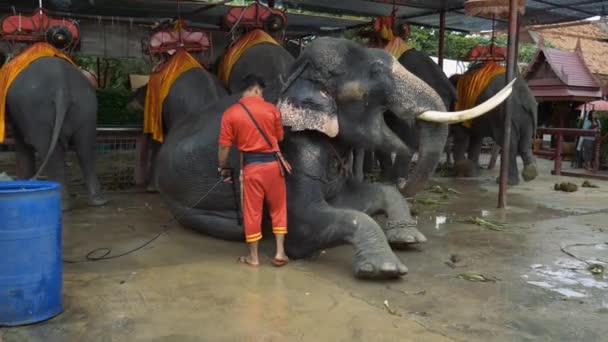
(511, 65)
(441, 37)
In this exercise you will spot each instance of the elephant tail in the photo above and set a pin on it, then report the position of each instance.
(61, 108)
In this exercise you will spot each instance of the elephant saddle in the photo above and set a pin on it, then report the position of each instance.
(14, 67)
(235, 51)
(472, 83)
(159, 85)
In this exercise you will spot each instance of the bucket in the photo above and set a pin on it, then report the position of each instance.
(31, 269)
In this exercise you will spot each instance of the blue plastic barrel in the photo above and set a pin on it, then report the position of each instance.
(30, 252)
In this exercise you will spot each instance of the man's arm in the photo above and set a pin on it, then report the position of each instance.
(222, 156)
(225, 141)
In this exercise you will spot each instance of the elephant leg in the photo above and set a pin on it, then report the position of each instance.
(401, 167)
(151, 181)
(474, 150)
(372, 199)
(359, 156)
(448, 151)
(55, 171)
(494, 157)
(513, 175)
(84, 141)
(462, 165)
(525, 151)
(473, 153)
(321, 226)
(386, 167)
(222, 224)
(26, 159)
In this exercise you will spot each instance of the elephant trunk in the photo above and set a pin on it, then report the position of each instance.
(413, 96)
(431, 144)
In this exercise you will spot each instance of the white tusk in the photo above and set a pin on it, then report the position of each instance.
(464, 115)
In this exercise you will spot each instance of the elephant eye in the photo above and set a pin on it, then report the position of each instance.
(324, 94)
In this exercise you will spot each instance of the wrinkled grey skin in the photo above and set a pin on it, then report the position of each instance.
(333, 79)
(467, 141)
(51, 104)
(432, 137)
(190, 92)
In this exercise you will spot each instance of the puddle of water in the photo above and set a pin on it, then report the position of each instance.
(440, 221)
(569, 279)
(569, 293)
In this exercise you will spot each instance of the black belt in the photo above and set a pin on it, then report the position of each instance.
(259, 157)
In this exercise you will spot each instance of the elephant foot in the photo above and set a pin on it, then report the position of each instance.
(529, 172)
(97, 201)
(378, 266)
(403, 233)
(466, 168)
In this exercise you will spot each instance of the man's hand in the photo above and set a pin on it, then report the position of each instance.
(226, 175)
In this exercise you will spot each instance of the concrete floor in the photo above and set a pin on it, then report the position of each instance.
(188, 287)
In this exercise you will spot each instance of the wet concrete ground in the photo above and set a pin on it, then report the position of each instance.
(188, 287)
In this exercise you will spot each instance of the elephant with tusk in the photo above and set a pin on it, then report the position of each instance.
(332, 100)
(468, 140)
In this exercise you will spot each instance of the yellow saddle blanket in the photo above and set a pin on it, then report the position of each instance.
(397, 47)
(235, 52)
(159, 85)
(472, 83)
(14, 67)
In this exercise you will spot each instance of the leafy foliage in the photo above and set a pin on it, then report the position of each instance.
(118, 70)
(113, 98)
(113, 111)
(457, 44)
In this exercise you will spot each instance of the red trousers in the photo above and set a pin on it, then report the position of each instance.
(263, 182)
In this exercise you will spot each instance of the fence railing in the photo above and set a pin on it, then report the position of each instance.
(557, 154)
(110, 142)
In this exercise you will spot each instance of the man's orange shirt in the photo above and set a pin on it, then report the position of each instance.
(238, 128)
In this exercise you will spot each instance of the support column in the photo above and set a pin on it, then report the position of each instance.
(512, 57)
(441, 52)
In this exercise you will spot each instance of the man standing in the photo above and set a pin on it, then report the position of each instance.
(255, 127)
(589, 142)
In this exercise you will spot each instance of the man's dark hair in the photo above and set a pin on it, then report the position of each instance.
(251, 81)
(591, 115)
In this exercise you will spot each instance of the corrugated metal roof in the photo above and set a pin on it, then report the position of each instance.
(423, 12)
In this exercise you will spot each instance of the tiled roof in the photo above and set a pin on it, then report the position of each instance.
(570, 67)
(593, 39)
(555, 73)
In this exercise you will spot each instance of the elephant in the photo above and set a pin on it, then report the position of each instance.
(422, 66)
(276, 58)
(190, 92)
(467, 141)
(332, 100)
(49, 105)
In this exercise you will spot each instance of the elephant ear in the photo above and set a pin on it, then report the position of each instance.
(303, 117)
(306, 104)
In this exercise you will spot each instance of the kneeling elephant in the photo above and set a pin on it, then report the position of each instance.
(332, 101)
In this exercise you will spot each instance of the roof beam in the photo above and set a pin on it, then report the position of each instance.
(566, 7)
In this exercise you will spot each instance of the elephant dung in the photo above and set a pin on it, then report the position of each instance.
(566, 187)
(588, 184)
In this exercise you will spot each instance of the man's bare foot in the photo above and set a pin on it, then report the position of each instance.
(247, 261)
(280, 262)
